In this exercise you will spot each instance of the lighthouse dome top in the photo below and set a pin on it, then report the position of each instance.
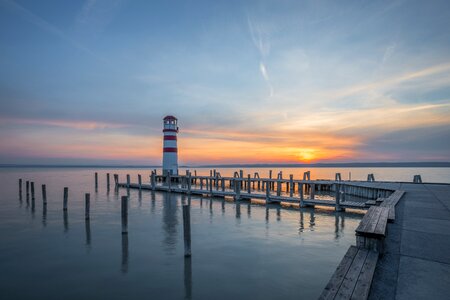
(170, 118)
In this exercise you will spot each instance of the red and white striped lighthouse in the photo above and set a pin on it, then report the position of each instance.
(170, 150)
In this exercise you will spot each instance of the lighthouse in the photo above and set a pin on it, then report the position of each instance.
(170, 150)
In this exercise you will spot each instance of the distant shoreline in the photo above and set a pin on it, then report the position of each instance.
(315, 165)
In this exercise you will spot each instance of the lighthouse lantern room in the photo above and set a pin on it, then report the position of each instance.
(170, 149)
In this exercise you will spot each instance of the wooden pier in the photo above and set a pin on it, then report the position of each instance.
(304, 192)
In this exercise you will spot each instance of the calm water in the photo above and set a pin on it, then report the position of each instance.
(239, 251)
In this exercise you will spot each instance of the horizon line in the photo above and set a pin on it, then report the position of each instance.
(244, 165)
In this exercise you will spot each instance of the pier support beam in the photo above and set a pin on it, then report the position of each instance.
(124, 214)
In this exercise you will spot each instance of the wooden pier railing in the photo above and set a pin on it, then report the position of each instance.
(304, 192)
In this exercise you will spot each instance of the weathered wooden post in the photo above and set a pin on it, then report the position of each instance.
(107, 181)
(32, 191)
(87, 200)
(248, 184)
(291, 185)
(300, 191)
(124, 214)
(267, 192)
(66, 196)
(237, 189)
(201, 183)
(241, 175)
(140, 181)
(27, 185)
(20, 188)
(96, 180)
(223, 184)
(128, 181)
(44, 194)
(278, 186)
(338, 197)
(116, 180)
(313, 191)
(210, 186)
(270, 182)
(187, 230)
(189, 183)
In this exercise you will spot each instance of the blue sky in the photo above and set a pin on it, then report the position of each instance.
(250, 81)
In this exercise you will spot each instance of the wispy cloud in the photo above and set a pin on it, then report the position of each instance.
(74, 124)
(47, 26)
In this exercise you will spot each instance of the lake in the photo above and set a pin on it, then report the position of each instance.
(238, 250)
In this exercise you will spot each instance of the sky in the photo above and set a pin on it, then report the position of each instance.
(89, 82)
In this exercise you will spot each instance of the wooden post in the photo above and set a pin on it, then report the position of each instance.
(312, 191)
(223, 184)
(278, 187)
(210, 186)
(237, 190)
(187, 230)
(87, 200)
(300, 190)
(267, 192)
(107, 180)
(189, 183)
(124, 215)
(96, 180)
(241, 175)
(248, 184)
(128, 181)
(201, 183)
(140, 181)
(338, 197)
(291, 185)
(116, 180)
(20, 188)
(66, 196)
(32, 190)
(27, 185)
(44, 194)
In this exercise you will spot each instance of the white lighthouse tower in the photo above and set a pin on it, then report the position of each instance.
(170, 150)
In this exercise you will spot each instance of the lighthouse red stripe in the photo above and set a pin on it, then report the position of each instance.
(170, 137)
(170, 149)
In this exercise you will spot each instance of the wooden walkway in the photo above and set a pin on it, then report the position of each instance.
(266, 189)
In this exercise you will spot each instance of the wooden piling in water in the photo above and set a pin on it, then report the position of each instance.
(107, 180)
(187, 230)
(312, 192)
(128, 181)
(44, 194)
(291, 185)
(96, 180)
(87, 204)
(66, 196)
(20, 188)
(300, 191)
(249, 188)
(338, 197)
(27, 186)
(267, 192)
(140, 181)
(124, 214)
(32, 191)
